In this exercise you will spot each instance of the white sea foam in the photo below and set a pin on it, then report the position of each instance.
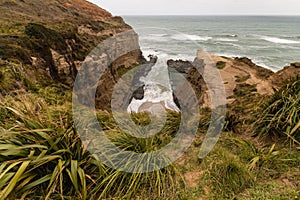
(226, 40)
(228, 43)
(158, 35)
(165, 56)
(279, 40)
(229, 55)
(147, 52)
(154, 93)
(262, 64)
(183, 37)
(157, 85)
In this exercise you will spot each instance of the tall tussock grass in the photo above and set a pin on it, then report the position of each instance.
(42, 157)
(227, 174)
(263, 159)
(280, 115)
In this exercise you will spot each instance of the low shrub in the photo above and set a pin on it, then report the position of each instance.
(221, 64)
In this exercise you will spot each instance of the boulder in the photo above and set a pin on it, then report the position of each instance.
(180, 65)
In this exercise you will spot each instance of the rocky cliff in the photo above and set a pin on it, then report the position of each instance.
(240, 76)
(47, 41)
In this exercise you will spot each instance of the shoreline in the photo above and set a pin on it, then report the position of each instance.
(235, 72)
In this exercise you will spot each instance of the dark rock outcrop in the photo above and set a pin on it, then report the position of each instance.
(138, 93)
(192, 72)
(260, 71)
(296, 64)
(180, 65)
(245, 60)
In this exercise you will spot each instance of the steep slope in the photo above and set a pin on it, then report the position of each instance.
(47, 41)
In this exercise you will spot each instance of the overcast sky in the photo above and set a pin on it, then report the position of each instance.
(200, 7)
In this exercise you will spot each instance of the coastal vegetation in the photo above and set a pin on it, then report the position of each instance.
(42, 156)
(221, 64)
(280, 115)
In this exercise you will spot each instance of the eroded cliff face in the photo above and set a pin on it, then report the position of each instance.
(49, 40)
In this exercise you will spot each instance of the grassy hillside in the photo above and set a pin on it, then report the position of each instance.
(42, 156)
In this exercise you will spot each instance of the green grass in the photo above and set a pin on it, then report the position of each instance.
(263, 160)
(242, 79)
(243, 169)
(227, 175)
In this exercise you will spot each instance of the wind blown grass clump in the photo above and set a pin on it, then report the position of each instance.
(227, 175)
(280, 116)
(263, 160)
(40, 153)
(42, 157)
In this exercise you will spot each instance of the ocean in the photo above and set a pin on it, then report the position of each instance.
(270, 41)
